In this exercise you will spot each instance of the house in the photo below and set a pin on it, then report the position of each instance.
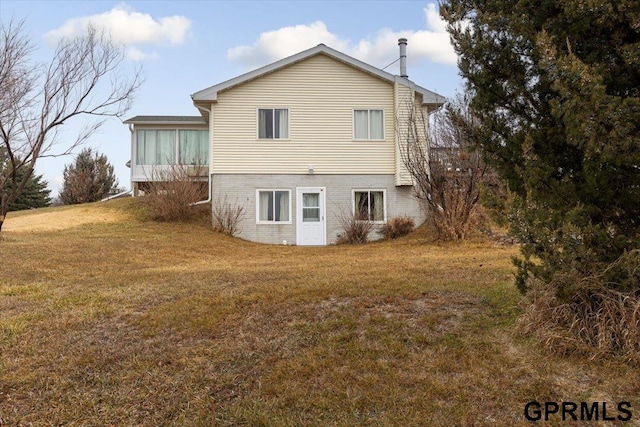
(297, 143)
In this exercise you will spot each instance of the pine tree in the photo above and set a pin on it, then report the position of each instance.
(89, 178)
(35, 194)
(556, 87)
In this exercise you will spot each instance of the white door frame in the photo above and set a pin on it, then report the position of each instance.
(323, 211)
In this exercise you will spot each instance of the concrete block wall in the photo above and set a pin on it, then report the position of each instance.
(241, 190)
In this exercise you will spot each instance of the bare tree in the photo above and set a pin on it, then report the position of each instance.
(82, 79)
(446, 172)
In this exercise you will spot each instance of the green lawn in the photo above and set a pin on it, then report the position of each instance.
(106, 319)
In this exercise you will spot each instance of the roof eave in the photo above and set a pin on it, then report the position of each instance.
(132, 121)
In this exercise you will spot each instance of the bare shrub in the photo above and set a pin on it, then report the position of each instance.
(596, 320)
(353, 229)
(227, 217)
(397, 227)
(171, 193)
(445, 170)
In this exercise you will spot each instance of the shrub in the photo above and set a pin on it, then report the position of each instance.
(227, 217)
(397, 227)
(584, 315)
(353, 230)
(170, 195)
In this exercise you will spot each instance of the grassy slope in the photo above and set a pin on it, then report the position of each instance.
(107, 320)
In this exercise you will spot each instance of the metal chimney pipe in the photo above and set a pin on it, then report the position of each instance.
(403, 57)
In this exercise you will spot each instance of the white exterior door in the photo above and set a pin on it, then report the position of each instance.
(311, 222)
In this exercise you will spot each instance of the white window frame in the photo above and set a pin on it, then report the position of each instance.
(369, 190)
(368, 110)
(274, 115)
(273, 190)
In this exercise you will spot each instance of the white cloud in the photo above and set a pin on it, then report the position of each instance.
(136, 54)
(128, 27)
(431, 43)
(281, 43)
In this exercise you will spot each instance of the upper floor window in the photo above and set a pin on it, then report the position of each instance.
(172, 146)
(368, 124)
(273, 123)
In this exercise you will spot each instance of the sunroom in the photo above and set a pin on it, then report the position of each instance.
(163, 145)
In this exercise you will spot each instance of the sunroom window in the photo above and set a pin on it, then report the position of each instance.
(273, 123)
(172, 146)
(194, 147)
(156, 147)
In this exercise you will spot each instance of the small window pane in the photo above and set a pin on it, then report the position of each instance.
(282, 205)
(310, 214)
(310, 200)
(265, 206)
(281, 123)
(166, 147)
(362, 205)
(376, 124)
(377, 206)
(265, 123)
(361, 124)
(146, 147)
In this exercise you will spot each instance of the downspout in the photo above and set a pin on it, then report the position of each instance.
(208, 200)
(133, 143)
(115, 196)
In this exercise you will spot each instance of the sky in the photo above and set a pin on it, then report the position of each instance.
(184, 46)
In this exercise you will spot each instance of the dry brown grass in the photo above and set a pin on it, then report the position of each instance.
(141, 323)
(61, 218)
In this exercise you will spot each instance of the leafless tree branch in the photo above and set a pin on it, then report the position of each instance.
(82, 80)
(446, 172)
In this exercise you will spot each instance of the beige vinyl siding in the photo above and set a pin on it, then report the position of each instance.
(404, 96)
(321, 94)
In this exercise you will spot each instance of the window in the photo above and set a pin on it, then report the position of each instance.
(156, 147)
(368, 124)
(170, 146)
(274, 206)
(310, 207)
(194, 147)
(369, 205)
(273, 123)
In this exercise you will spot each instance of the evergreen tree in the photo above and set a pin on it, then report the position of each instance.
(556, 88)
(35, 194)
(89, 178)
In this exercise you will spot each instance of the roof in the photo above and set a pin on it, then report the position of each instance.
(166, 120)
(210, 94)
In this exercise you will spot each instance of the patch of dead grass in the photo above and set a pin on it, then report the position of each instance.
(139, 323)
(63, 218)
